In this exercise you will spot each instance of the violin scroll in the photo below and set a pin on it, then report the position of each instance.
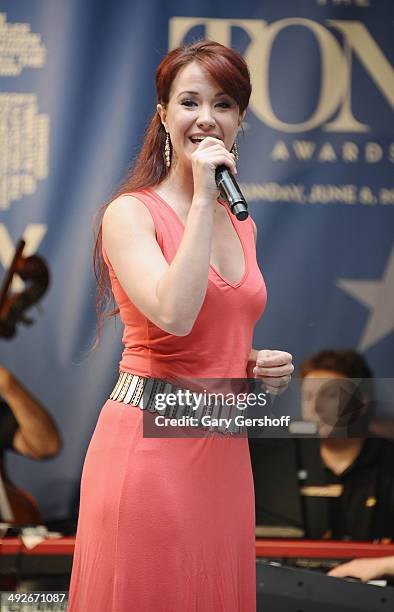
(34, 271)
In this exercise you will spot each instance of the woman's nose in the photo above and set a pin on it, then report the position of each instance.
(205, 118)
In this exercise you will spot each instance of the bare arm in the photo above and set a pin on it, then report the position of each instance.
(170, 296)
(37, 435)
(365, 569)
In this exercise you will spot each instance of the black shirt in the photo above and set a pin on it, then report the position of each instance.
(356, 505)
(365, 508)
(8, 427)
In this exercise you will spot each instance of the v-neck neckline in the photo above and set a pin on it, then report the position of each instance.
(176, 216)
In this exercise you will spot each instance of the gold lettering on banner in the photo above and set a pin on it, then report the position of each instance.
(336, 66)
(358, 39)
(20, 48)
(24, 146)
(373, 152)
(349, 152)
(333, 75)
(347, 194)
(327, 153)
(280, 151)
(360, 3)
(304, 149)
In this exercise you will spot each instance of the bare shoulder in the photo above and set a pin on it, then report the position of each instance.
(130, 244)
(127, 211)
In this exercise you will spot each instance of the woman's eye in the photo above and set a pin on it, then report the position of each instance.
(222, 104)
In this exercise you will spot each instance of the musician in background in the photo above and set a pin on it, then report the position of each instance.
(25, 427)
(337, 486)
(355, 488)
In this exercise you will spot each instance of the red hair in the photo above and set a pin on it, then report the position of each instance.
(229, 70)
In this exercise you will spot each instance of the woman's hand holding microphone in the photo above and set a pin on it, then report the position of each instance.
(209, 154)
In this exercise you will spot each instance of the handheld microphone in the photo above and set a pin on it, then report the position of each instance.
(231, 193)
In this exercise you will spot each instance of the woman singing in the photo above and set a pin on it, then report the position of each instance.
(167, 524)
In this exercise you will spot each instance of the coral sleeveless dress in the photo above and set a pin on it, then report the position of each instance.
(167, 525)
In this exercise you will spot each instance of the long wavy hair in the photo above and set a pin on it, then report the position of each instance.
(230, 71)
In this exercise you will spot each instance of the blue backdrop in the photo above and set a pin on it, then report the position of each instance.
(316, 163)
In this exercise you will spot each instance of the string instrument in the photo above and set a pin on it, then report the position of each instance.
(34, 271)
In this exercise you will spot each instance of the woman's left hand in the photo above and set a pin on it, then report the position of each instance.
(274, 369)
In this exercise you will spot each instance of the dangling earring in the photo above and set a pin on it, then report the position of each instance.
(167, 151)
(234, 150)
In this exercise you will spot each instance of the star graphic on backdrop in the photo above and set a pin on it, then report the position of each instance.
(378, 296)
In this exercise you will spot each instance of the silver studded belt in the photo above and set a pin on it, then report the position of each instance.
(142, 392)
